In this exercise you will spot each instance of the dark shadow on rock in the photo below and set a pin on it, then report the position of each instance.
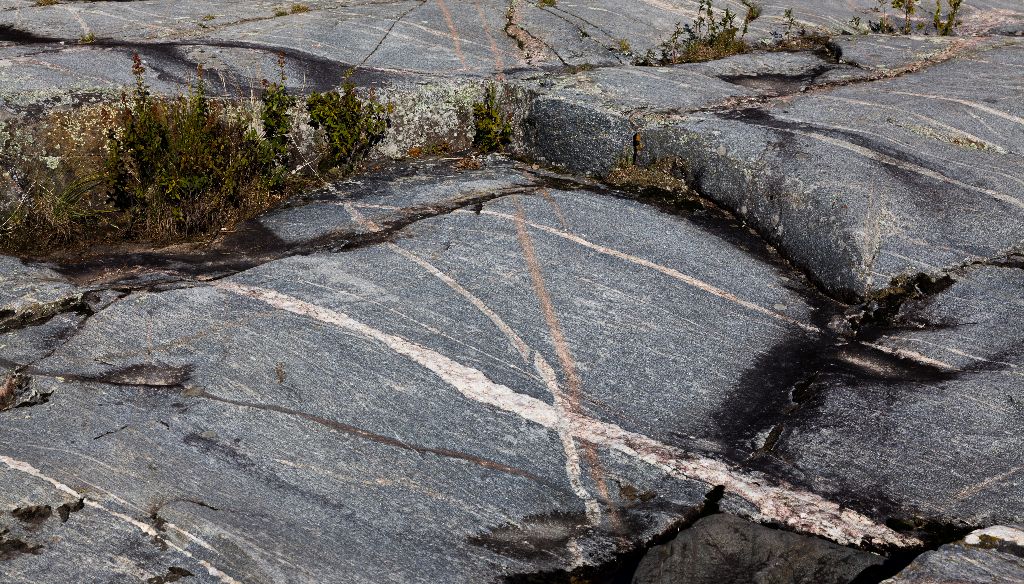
(723, 549)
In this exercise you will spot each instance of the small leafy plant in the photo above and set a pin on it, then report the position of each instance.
(493, 131)
(351, 125)
(909, 8)
(753, 13)
(945, 26)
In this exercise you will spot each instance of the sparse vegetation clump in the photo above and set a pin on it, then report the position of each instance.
(711, 36)
(944, 20)
(661, 183)
(493, 130)
(796, 37)
(293, 9)
(160, 169)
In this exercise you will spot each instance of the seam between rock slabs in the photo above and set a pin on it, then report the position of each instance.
(230, 258)
(957, 48)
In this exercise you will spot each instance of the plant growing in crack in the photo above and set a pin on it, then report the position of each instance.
(493, 130)
(944, 21)
(161, 169)
(710, 36)
(183, 166)
(351, 125)
(796, 37)
(276, 115)
(884, 24)
(753, 13)
(909, 8)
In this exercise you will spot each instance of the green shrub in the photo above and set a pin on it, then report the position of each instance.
(151, 169)
(493, 131)
(276, 117)
(351, 125)
(185, 166)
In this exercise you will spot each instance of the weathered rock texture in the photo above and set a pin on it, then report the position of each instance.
(452, 371)
(722, 549)
(993, 555)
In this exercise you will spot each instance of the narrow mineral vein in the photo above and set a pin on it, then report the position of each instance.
(367, 435)
(671, 272)
(26, 468)
(569, 401)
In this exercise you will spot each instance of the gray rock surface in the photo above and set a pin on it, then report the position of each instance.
(722, 549)
(29, 292)
(936, 426)
(864, 183)
(454, 389)
(474, 370)
(795, 143)
(994, 555)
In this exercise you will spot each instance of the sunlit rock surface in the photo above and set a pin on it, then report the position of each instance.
(484, 370)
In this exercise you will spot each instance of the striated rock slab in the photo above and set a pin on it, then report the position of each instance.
(795, 143)
(445, 373)
(936, 430)
(857, 179)
(29, 293)
(864, 183)
(513, 387)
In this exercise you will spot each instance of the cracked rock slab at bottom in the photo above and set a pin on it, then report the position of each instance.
(722, 549)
